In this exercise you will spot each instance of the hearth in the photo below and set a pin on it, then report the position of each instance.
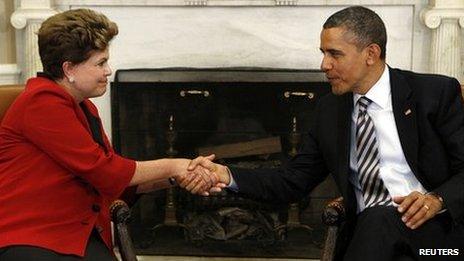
(248, 117)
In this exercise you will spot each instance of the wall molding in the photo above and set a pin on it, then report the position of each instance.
(432, 16)
(21, 17)
(207, 3)
(9, 74)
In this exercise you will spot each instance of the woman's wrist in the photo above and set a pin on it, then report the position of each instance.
(176, 167)
(169, 166)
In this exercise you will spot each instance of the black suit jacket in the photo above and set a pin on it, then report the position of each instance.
(431, 135)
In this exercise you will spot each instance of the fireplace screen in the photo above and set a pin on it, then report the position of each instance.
(248, 117)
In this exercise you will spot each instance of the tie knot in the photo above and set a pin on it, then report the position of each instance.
(363, 102)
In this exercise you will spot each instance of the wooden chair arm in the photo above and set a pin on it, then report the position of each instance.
(333, 215)
(334, 212)
(120, 215)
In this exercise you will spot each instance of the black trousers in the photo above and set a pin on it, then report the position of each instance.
(96, 250)
(380, 235)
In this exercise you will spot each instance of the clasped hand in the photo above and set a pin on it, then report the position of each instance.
(204, 176)
(417, 208)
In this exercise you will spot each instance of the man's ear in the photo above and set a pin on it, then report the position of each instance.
(373, 53)
(68, 70)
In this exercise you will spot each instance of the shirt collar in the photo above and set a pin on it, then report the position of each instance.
(379, 93)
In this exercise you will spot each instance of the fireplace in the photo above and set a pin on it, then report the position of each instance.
(248, 117)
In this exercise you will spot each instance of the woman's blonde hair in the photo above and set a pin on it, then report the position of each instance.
(73, 36)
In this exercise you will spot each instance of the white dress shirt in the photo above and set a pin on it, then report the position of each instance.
(394, 170)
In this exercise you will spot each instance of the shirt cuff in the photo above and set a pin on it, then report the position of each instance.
(232, 184)
(442, 211)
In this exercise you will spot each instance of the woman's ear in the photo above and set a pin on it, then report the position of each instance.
(68, 71)
(373, 53)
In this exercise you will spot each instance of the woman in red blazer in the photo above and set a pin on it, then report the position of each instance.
(58, 172)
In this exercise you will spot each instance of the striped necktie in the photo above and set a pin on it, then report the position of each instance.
(367, 149)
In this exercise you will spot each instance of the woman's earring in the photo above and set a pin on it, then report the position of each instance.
(71, 79)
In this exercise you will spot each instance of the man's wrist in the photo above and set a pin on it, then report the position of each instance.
(438, 197)
(224, 175)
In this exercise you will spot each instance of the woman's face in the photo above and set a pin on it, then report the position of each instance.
(91, 76)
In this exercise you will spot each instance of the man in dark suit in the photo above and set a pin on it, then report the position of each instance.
(393, 141)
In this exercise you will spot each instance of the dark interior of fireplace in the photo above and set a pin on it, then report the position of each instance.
(248, 117)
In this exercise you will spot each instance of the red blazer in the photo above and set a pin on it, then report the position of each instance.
(56, 182)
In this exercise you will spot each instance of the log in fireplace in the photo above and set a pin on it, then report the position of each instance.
(248, 117)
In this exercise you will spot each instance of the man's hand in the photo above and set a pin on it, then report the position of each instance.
(207, 176)
(207, 162)
(201, 179)
(417, 208)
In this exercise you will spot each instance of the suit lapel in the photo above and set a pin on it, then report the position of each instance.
(344, 110)
(404, 110)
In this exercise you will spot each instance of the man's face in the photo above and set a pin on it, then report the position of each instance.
(344, 65)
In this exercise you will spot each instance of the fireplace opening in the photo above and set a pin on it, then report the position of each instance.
(248, 117)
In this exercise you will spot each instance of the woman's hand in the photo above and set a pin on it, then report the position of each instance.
(205, 176)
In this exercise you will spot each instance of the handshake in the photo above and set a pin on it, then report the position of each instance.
(202, 176)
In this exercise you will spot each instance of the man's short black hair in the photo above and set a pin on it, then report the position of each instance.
(364, 24)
